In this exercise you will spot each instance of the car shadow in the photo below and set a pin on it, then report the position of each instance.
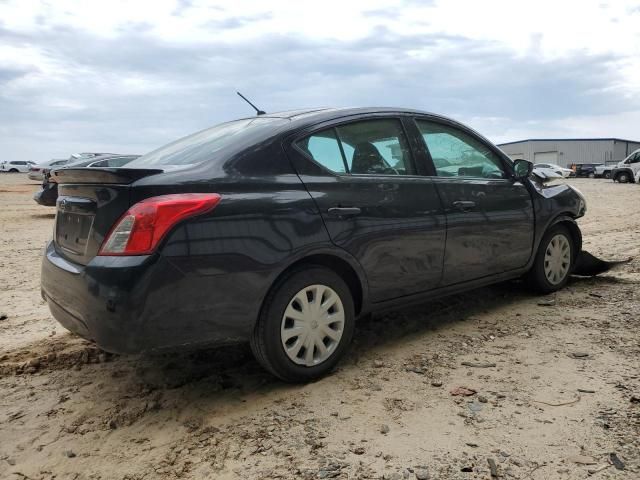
(233, 368)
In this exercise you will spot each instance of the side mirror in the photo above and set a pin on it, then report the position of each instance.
(522, 169)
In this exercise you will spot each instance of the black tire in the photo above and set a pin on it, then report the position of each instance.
(622, 177)
(592, 175)
(536, 277)
(13, 170)
(266, 342)
(607, 174)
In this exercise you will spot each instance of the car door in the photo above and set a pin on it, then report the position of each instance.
(633, 163)
(490, 219)
(375, 203)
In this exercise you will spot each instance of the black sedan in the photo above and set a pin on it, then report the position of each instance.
(282, 229)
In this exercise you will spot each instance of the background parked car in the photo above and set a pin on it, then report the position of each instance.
(627, 170)
(604, 171)
(585, 169)
(48, 194)
(565, 172)
(546, 174)
(15, 166)
(36, 170)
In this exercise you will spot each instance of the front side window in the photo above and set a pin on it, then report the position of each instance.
(457, 154)
(376, 147)
(635, 158)
(369, 147)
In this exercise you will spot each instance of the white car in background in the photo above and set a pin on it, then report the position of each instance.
(565, 172)
(546, 174)
(15, 166)
(36, 172)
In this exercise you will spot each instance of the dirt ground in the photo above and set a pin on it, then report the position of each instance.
(564, 393)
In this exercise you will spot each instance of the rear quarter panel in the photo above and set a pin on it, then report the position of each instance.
(225, 261)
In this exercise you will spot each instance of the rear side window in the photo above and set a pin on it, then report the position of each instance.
(323, 148)
(118, 162)
(113, 162)
(457, 154)
(369, 147)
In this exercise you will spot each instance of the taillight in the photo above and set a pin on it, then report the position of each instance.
(143, 226)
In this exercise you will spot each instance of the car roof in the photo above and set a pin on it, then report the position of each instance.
(310, 116)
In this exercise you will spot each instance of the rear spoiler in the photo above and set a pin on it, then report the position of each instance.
(101, 175)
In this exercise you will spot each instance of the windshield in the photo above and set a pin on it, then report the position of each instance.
(200, 146)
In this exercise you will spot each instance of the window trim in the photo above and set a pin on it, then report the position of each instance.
(507, 165)
(335, 124)
(347, 170)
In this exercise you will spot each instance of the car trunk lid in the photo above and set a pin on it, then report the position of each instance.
(90, 201)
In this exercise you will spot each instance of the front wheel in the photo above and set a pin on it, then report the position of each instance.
(305, 326)
(607, 174)
(554, 261)
(592, 175)
(623, 177)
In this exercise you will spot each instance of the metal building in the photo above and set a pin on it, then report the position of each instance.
(567, 151)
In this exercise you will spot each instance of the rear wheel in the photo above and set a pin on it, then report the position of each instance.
(607, 174)
(623, 177)
(305, 326)
(554, 261)
(13, 170)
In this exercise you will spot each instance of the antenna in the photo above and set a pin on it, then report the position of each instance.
(258, 111)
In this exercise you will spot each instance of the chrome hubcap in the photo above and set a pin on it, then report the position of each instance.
(312, 325)
(557, 259)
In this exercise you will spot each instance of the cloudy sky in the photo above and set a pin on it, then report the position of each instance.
(128, 76)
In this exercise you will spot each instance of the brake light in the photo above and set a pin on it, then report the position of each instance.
(145, 224)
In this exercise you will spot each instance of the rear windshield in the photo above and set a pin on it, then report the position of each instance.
(200, 146)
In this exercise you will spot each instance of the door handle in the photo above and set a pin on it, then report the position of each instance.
(464, 205)
(344, 211)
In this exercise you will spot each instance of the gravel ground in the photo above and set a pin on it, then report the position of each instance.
(553, 383)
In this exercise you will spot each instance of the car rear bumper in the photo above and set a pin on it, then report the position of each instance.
(143, 303)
